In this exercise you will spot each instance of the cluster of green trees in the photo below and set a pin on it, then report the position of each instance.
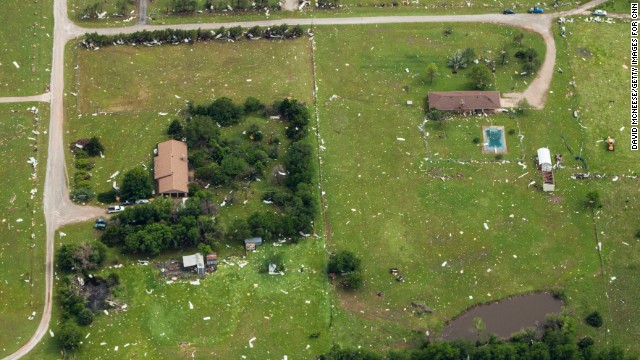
(481, 75)
(174, 36)
(152, 228)
(82, 187)
(136, 184)
(557, 341)
(346, 266)
(79, 259)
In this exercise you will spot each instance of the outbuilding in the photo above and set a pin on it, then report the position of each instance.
(194, 261)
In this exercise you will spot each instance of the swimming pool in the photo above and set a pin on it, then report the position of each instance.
(494, 141)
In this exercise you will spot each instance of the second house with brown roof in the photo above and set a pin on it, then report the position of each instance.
(464, 101)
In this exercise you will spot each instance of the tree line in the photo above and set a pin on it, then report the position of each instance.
(176, 36)
(557, 340)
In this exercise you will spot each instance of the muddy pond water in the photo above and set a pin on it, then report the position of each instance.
(505, 317)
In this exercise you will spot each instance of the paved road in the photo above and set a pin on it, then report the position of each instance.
(59, 210)
(46, 97)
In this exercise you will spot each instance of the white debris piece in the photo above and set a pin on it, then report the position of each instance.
(242, 264)
(16, 65)
(114, 174)
(615, 178)
(115, 348)
(195, 282)
(400, 139)
(251, 342)
(163, 113)
(190, 305)
(486, 227)
(444, 264)
(489, 270)
(106, 312)
(267, 202)
(51, 333)
(19, 220)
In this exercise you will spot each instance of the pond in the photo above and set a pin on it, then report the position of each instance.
(504, 317)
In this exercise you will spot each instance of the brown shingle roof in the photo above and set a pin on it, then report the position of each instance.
(171, 167)
(464, 100)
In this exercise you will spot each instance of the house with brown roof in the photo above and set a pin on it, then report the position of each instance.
(464, 101)
(171, 168)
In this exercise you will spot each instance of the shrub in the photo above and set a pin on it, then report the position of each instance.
(511, 132)
(255, 133)
(85, 317)
(585, 342)
(175, 130)
(476, 140)
(107, 197)
(499, 157)
(137, 184)
(113, 279)
(82, 195)
(84, 164)
(594, 319)
(593, 200)
(253, 105)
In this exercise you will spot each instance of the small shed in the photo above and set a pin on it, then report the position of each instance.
(544, 159)
(212, 259)
(256, 241)
(195, 260)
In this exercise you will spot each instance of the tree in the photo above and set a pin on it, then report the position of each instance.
(343, 262)
(175, 130)
(481, 78)
(523, 107)
(431, 72)
(94, 147)
(83, 256)
(69, 336)
(352, 281)
(456, 61)
(137, 184)
(225, 112)
(298, 164)
(469, 54)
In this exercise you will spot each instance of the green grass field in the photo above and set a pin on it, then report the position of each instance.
(22, 227)
(25, 37)
(418, 204)
(404, 203)
(617, 6)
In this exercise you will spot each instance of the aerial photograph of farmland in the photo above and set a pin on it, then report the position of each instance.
(319, 179)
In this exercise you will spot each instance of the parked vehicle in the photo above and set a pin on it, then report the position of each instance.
(599, 13)
(115, 209)
(100, 224)
(536, 10)
(127, 203)
(142, 201)
(508, 12)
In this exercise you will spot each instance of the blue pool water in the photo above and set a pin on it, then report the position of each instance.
(494, 139)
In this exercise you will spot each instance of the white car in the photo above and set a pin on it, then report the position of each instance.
(599, 13)
(142, 201)
(115, 209)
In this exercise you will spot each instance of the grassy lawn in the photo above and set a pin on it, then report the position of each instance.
(404, 203)
(617, 6)
(596, 49)
(77, 9)
(26, 38)
(127, 110)
(22, 230)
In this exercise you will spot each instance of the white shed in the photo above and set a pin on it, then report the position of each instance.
(544, 159)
